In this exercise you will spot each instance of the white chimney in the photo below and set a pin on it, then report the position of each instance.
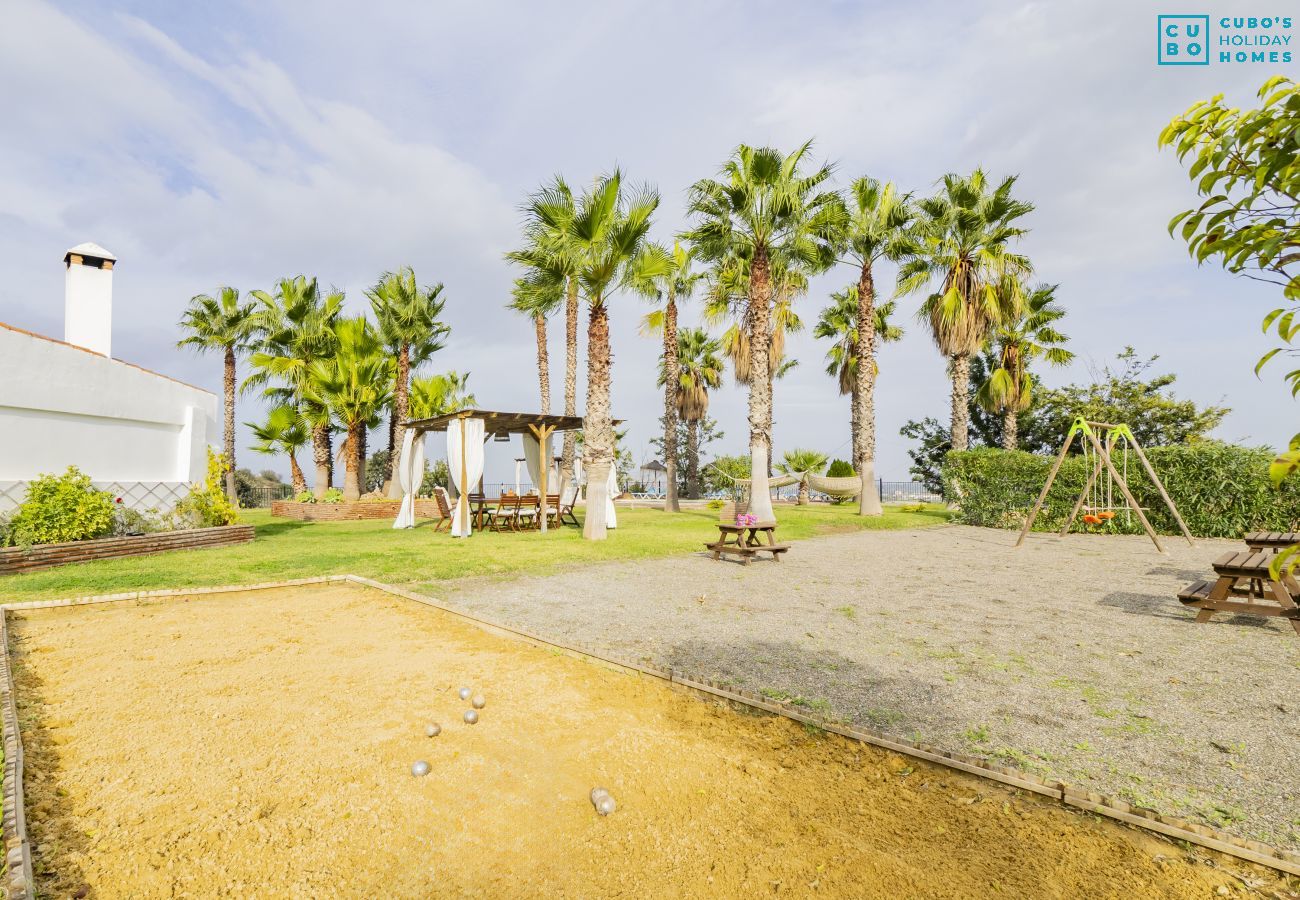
(88, 298)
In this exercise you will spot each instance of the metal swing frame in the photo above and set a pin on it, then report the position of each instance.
(1101, 447)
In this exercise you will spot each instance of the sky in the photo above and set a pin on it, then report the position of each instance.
(236, 143)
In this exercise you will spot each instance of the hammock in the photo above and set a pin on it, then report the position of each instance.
(834, 487)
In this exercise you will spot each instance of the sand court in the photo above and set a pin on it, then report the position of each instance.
(260, 744)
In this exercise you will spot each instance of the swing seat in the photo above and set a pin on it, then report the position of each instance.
(1106, 516)
(1090, 519)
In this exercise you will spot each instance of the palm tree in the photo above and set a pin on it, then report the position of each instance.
(354, 385)
(677, 283)
(698, 368)
(297, 328)
(877, 223)
(408, 317)
(801, 463)
(839, 321)
(538, 297)
(438, 395)
(962, 240)
(553, 259)
(607, 235)
(222, 323)
(284, 431)
(1030, 335)
(764, 208)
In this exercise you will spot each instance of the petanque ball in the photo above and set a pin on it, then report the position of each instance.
(470, 717)
(606, 805)
(433, 729)
(479, 701)
(464, 693)
(420, 769)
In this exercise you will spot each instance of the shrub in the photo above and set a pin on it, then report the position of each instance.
(306, 497)
(840, 469)
(129, 521)
(332, 495)
(61, 508)
(1221, 490)
(207, 505)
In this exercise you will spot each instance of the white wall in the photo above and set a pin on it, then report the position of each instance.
(62, 405)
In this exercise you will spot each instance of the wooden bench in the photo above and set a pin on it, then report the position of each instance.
(746, 541)
(1271, 540)
(1245, 585)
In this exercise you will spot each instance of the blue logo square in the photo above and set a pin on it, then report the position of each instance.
(1183, 40)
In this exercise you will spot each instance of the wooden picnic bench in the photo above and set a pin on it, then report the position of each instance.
(746, 541)
(1245, 585)
(1271, 540)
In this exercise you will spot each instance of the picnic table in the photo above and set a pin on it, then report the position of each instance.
(747, 540)
(1245, 585)
(1271, 540)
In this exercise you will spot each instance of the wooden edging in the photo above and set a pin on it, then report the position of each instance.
(15, 560)
(18, 852)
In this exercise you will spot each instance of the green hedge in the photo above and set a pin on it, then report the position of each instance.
(1221, 490)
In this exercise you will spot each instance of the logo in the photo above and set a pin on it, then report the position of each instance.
(1183, 40)
(1186, 40)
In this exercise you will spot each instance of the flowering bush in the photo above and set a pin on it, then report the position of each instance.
(207, 504)
(60, 508)
(746, 520)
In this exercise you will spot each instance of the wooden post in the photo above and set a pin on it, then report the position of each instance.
(542, 433)
(464, 477)
(1056, 467)
(1155, 479)
(1092, 479)
(1123, 486)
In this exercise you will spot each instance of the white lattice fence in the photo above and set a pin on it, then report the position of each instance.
(160, 496)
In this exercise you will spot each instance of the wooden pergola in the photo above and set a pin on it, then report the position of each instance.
(498, 424)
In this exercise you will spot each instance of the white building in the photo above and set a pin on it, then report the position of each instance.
(139, 434)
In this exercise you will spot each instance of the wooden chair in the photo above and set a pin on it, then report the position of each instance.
(552, 510)
(1272, 540)
(529, 511)
(479, 510)
(506, 516)
(565, 514)
(1245, 585)
(444, 509)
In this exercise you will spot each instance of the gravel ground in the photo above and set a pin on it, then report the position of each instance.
(1070, 658)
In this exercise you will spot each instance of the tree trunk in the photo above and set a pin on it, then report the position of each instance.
(295, 470)
(959, 370)
(401, 411)
(570, 380)
(597, 430)
(230, 425)
(322, 454)
(864, 395)
(352, 463)
(1010, 430)
(803, 492)
(693, 459)
(543, 366)
(329, 452)
(363, 441)
(671, 386)
(760, 387)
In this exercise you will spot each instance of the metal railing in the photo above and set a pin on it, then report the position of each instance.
(261, 496)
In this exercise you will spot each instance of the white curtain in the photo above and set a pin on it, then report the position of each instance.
(410, 473)
(611, 515)
(464, 444)
(534, 458)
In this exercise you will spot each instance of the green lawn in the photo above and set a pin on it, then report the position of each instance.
(417, 557)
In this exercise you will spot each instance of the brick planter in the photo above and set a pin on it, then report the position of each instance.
(347, 512)
(43, 556)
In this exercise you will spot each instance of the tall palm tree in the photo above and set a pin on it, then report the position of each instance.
(962, 240)
(284, 431)
(354, 385)
(764, 207)
(839, 321)
(552, 257)
(877, 223)
(801, 463)
(698, 369)
(296, 325)
(222, 323)
(408, 317)
(677, 283)
(1016, 343)
(607, 234)
(438, 395)
(538, 296)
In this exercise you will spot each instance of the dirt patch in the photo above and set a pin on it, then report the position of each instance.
(260, 745)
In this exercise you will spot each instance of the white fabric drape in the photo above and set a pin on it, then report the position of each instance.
(611, 514)
(410, 474)
(535, 457)
(464, 446)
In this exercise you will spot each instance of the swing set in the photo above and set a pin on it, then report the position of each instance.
(1100, 442)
